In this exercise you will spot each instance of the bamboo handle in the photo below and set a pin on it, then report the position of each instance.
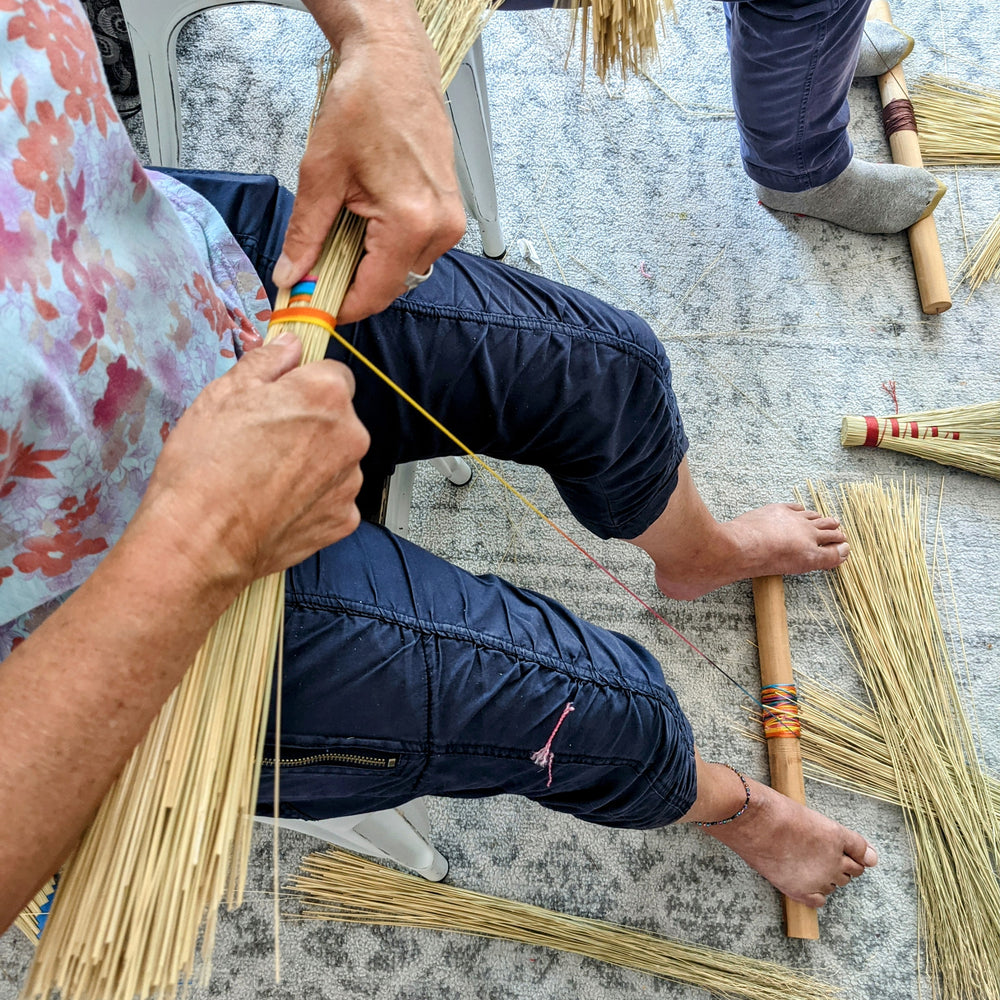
(785, 754)
(928, 263)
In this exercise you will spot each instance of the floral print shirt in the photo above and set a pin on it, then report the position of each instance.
(122, 294)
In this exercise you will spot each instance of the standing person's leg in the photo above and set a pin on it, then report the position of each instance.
(792, 62)
(406, 676)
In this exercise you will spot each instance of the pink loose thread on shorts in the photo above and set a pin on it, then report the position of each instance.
(544, 757)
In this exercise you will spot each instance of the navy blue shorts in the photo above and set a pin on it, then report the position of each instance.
(406, 676)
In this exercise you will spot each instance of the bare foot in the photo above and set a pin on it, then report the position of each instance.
(802, 853)
(776, 540)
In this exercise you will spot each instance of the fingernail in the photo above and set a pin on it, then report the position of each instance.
(283, 274)
(870, 858)
(286, 338)
(844, 550)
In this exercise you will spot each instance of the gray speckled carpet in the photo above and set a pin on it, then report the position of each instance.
(776, 327)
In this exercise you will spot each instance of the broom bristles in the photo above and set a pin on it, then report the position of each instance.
(957, 122)
(335, 885)
(966, 437)
(886, 598)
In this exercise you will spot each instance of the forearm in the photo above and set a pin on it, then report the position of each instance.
(347, 21)
(80, 693)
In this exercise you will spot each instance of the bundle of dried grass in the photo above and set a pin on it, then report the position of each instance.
(137, 902)
(982, 262)
(335, 885)
(28, 920)
(842, 744)
(886, 597)
(623, 33)
(958, 122)
(967, 437)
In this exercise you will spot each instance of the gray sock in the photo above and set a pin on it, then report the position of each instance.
(866, 197)
(883, 46)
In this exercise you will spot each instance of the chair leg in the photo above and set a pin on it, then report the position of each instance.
(470, 117)
(455, 470)
(154, 76)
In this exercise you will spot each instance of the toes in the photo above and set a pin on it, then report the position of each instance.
(830, 537)
(851, 868)
(828, 524)
(860, 851)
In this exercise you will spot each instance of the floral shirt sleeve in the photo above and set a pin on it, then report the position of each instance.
(122, 294)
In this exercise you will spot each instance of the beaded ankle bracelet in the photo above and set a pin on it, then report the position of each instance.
(742, 809)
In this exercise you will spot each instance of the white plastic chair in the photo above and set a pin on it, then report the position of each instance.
(153, 27)
(401, 835)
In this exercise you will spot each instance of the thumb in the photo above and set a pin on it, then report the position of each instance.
(270, 361)
(318, 200)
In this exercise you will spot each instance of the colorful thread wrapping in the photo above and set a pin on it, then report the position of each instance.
(301, 292)
(897, 116)
(781, 711)
(739, 812)
(304, 314)
(545, 756)
(875, 431)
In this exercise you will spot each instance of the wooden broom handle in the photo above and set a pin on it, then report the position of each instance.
(932, 282)
(784, 754)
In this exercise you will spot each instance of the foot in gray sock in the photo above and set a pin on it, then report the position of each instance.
(866, 197)
(883, 46)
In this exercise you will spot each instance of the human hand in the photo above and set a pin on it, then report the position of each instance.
(382, 147)
(262, 470)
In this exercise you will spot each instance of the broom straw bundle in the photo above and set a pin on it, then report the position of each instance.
(138, 900)
(982, 262)
(334, 885)
(623, 33)
(967, 437)
(885, 596)
(959, 122)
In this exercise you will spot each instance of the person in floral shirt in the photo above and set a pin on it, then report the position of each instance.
(155, 458)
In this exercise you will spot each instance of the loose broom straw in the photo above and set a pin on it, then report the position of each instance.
(959, 122)
(781, 721)
(900, 126)
(885, 595)
(172, 837)
(335, 885)
(966, 437)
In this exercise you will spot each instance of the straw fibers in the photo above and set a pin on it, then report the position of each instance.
(138, 901)
(982, 263)
(623, 33)
(27, 920)
(966, 437)
(885, 594)
(335, 885)
(958, 123)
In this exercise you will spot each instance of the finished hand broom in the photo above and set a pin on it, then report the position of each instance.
(967, 437)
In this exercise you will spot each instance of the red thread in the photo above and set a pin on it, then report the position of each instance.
(544, 757)
(914, 429)
(871, 436)
(934, 432)
(954, 435)
(894, 425)
(890, 388)
(643, 270)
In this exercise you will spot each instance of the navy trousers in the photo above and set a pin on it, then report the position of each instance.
(792, 62)
(405, 675)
